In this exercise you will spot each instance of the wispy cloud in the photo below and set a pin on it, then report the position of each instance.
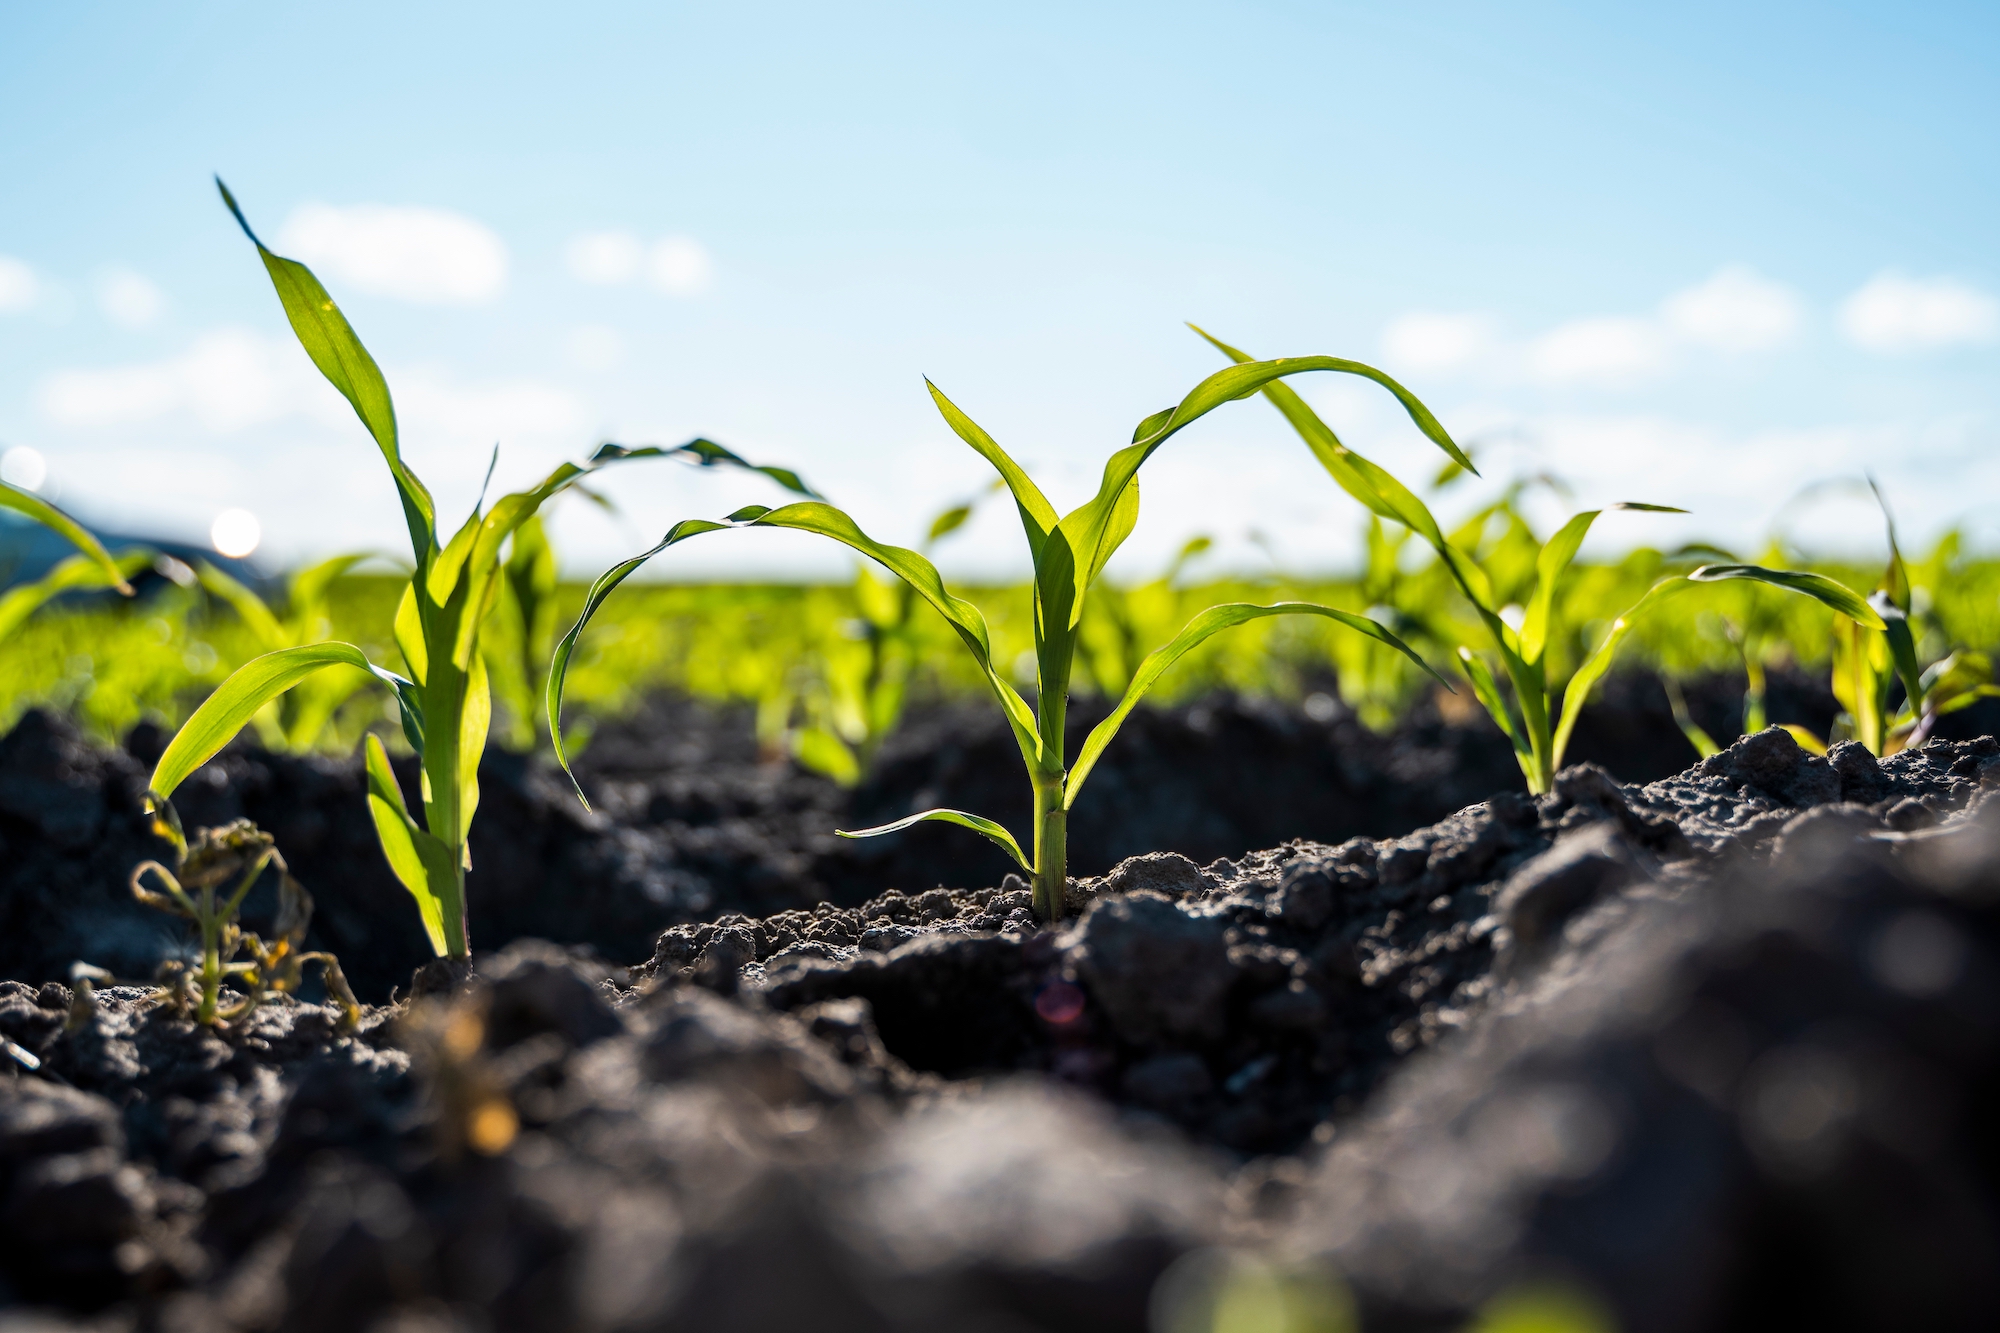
(130, 300)
(1734, 312)
(674, 265)
(1895, 313)
(427, 256)
(18, 285)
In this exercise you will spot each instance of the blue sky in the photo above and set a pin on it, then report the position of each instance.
(1695, 254)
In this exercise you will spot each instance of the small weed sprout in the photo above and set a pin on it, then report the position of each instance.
(446, 700)
(1069, 553)
(197, 888)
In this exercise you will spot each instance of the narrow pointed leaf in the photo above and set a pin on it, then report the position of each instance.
(421, 863)
(1487, 691)
(249, 688)
(1209, 623)
(1824, 590)
(76, 571)
(1902, 650)
(35, 507)
(331, 343)
(1555, 557)
(1038, 516)
(987, 827)
(248, 605)
(1577, 692)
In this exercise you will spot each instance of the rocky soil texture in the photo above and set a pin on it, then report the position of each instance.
(1714, 1052)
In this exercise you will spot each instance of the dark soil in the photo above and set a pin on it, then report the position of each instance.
(1717, 1052)
(688, 824)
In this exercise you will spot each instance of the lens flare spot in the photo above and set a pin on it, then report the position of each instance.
(1059, 1004)
(236, 533)
(492, 1127)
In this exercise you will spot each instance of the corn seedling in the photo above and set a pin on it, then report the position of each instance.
(30, 505)
(241, 852)
(446, 701)
(1874, 649)
(1069, 553)
(1535, 725)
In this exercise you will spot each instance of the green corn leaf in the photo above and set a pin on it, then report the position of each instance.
(307, 592)
(421, 862)
(1211, 622)
(1555, 557)
(409, 632)
(1038, 516)
(1816, 586)
(950, 521)
(249, 688)
(999, 835)
(826, 521)
(1807, 741)
(331, 343)
(1487, 691)
(1902, 650)
(704, 453)
(248, 605)
(473, 725)
(76, 571)
(605, 584)
(1896, 577)
(35, 507)
(1703, 743)
(1577, 692)
(1373, 486)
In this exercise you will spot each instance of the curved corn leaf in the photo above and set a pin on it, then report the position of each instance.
(987, 827)
(256, 683)
(1487, 691)
(331, 343)
(76, 571)
(566, 647)
(1211, 622)
(1373, 486)
(1902, 650)
(1555, 557)
(823, 519)
(35, 507)
(702, 453)
(421, 862)
(1577, 692)
(1816, 586)
(248, 606)
(1038, 516)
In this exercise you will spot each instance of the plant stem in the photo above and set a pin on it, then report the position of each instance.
(1051, 847)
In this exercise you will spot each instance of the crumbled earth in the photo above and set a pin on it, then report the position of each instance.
(1714, 1052)
(688, 824)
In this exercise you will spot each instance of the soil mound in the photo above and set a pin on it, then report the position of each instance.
(1710, 1051)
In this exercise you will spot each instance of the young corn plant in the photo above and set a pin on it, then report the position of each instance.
(1069, 553)
(1536, 720)
(1874, 649)
(446, 700)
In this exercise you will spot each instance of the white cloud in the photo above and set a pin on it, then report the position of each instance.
(1736, 310)
(18, 287)
(1427, 341)
(227, 380)
(1894, 313)
(231, 380)
(675, 265)
(423, 255)
(130, 300)
(678, 266)
(604, 257)
(1610, 350)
